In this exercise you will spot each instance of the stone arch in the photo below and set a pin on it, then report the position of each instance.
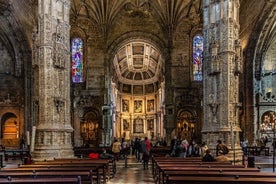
(266, 37)
(186, 124)
(264, 75)
(90, 126)
(136, 35)
(254, 49)
(129, 37)
(135, 89)
(9, 129)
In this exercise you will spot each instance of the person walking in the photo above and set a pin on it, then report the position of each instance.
(145, 148)
(185, 145)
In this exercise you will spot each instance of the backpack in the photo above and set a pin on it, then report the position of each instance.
(225, 150)
(94, 155)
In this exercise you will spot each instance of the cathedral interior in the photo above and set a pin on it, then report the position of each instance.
(81, 72)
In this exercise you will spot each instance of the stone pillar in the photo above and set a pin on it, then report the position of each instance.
(77, 118)
(52, 81)
(169, 117)
(222, 66)
(106, 134)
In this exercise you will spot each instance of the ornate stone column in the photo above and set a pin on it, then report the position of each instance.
(222, 66)
(52, 81)
(169, 117)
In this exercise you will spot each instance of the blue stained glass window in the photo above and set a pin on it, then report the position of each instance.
(77, 60)
(197, 57)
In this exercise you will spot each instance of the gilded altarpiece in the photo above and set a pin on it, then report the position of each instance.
(137, 117)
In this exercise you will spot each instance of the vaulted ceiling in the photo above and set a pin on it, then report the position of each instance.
(104, 12)
(19, 17)
(138, 63)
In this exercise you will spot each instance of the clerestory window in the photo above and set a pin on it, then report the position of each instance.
(77, 60)
(197, 57)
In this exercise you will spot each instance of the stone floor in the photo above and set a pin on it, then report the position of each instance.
(134, 173)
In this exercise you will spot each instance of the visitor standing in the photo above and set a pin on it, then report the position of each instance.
(145, 148)
(116, 149)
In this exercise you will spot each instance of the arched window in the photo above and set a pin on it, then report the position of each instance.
(77, 60)
(197, 57)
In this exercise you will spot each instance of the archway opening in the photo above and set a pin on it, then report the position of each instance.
(138, 92)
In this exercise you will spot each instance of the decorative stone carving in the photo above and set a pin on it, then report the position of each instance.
(59, 103)
(186, 99)
(89, 101)
(221, 91)
(52, 115)
(59, 49)
(212, 104)
(46, 31)
(238, 63)
(215, 65)
(140, 8)
(10, 99)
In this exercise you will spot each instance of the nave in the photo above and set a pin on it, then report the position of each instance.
(134, 173)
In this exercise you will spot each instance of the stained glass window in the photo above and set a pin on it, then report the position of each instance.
(197, 57)
(77, 60)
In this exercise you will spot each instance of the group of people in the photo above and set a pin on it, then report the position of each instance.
(120, 148)
(179, 148)
(182, 148)
(139, 147)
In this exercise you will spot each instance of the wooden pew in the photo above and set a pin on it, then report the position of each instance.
(181, 170)
(111, 161)
(65, 180)
(169, 174)
(15, 154)
(86, 174)
(180, 160)
(160, 174)
(101, 168)
(162, 163)
(196, 164)
(224, 180)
